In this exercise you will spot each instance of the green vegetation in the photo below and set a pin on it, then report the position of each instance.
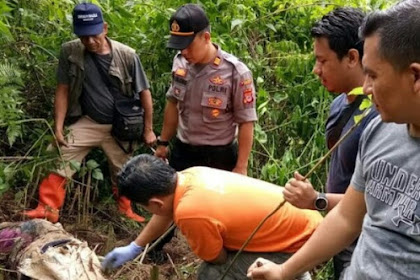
(271, 36)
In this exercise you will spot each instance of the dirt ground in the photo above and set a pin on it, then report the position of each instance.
(103, 228)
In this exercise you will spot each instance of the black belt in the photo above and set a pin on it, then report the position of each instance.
(201, 148)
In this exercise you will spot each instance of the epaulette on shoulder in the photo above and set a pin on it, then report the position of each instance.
(239, 65)
(179, 60)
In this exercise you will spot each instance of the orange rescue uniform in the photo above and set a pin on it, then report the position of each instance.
(217, 209)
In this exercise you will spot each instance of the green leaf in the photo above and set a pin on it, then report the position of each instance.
(13, 132)
(75, 165)
(92, 164)
(278, 97)
(97, 174)
(236, 22)
(83, 171)
(260, 135)
(271, 26)
(3, 186)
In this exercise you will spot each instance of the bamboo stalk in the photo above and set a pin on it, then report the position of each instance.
(144, 253)
(174, 267)
(17, 158)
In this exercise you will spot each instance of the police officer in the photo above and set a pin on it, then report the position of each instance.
(211, 100)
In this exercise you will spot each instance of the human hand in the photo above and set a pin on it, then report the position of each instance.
(263, 269)
(299, 192)
(149, 137)
(60, 138)
(121, 255)
(161, 152)
(240, 170)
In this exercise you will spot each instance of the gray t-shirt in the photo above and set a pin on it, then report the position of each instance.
(96, 100)
(388, 172)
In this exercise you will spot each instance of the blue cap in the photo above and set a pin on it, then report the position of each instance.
(87, 20)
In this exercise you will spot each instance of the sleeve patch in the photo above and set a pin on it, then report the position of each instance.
(247, 96)
(246, 82)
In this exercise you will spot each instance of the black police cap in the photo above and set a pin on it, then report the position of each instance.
(184, 24)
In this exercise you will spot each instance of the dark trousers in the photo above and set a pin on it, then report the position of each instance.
(184, 156)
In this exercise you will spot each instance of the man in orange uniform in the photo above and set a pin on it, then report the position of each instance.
(216, 211)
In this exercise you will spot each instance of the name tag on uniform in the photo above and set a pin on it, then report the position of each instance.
(180, 80)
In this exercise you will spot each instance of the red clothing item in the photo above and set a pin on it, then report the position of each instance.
(217, 209)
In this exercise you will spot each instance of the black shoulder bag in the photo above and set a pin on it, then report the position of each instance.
(335, 134)
(128, 120)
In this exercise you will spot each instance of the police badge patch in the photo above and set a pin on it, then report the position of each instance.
(247, 95)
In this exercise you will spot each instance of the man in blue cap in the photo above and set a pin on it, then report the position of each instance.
(91, 70)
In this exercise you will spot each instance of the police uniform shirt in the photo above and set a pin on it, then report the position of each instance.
(212, 100)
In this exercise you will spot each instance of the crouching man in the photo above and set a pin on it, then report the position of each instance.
(216, 211)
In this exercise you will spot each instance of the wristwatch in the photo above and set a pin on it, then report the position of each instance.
(321, 202)
(160, 142)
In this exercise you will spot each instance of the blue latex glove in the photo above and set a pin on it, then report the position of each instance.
(121, 255)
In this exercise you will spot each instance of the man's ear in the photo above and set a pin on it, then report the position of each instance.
(156, 202)
(207, 36)
(353, 57)
(105, 28)
(415, 71)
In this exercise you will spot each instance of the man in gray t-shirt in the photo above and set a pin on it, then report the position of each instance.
(388, 173)
(93, 71)
(382, 201)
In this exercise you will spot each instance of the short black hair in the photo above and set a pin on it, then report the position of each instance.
(341, 28)
(398, 29)
(145, 176)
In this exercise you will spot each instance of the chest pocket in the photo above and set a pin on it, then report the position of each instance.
(214, 107)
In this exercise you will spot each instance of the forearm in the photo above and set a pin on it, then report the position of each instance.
(333, 200)
(245, 139)
(170, 121)
(147, 104)
(153, 230)
(341, 227)
(60, 106)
